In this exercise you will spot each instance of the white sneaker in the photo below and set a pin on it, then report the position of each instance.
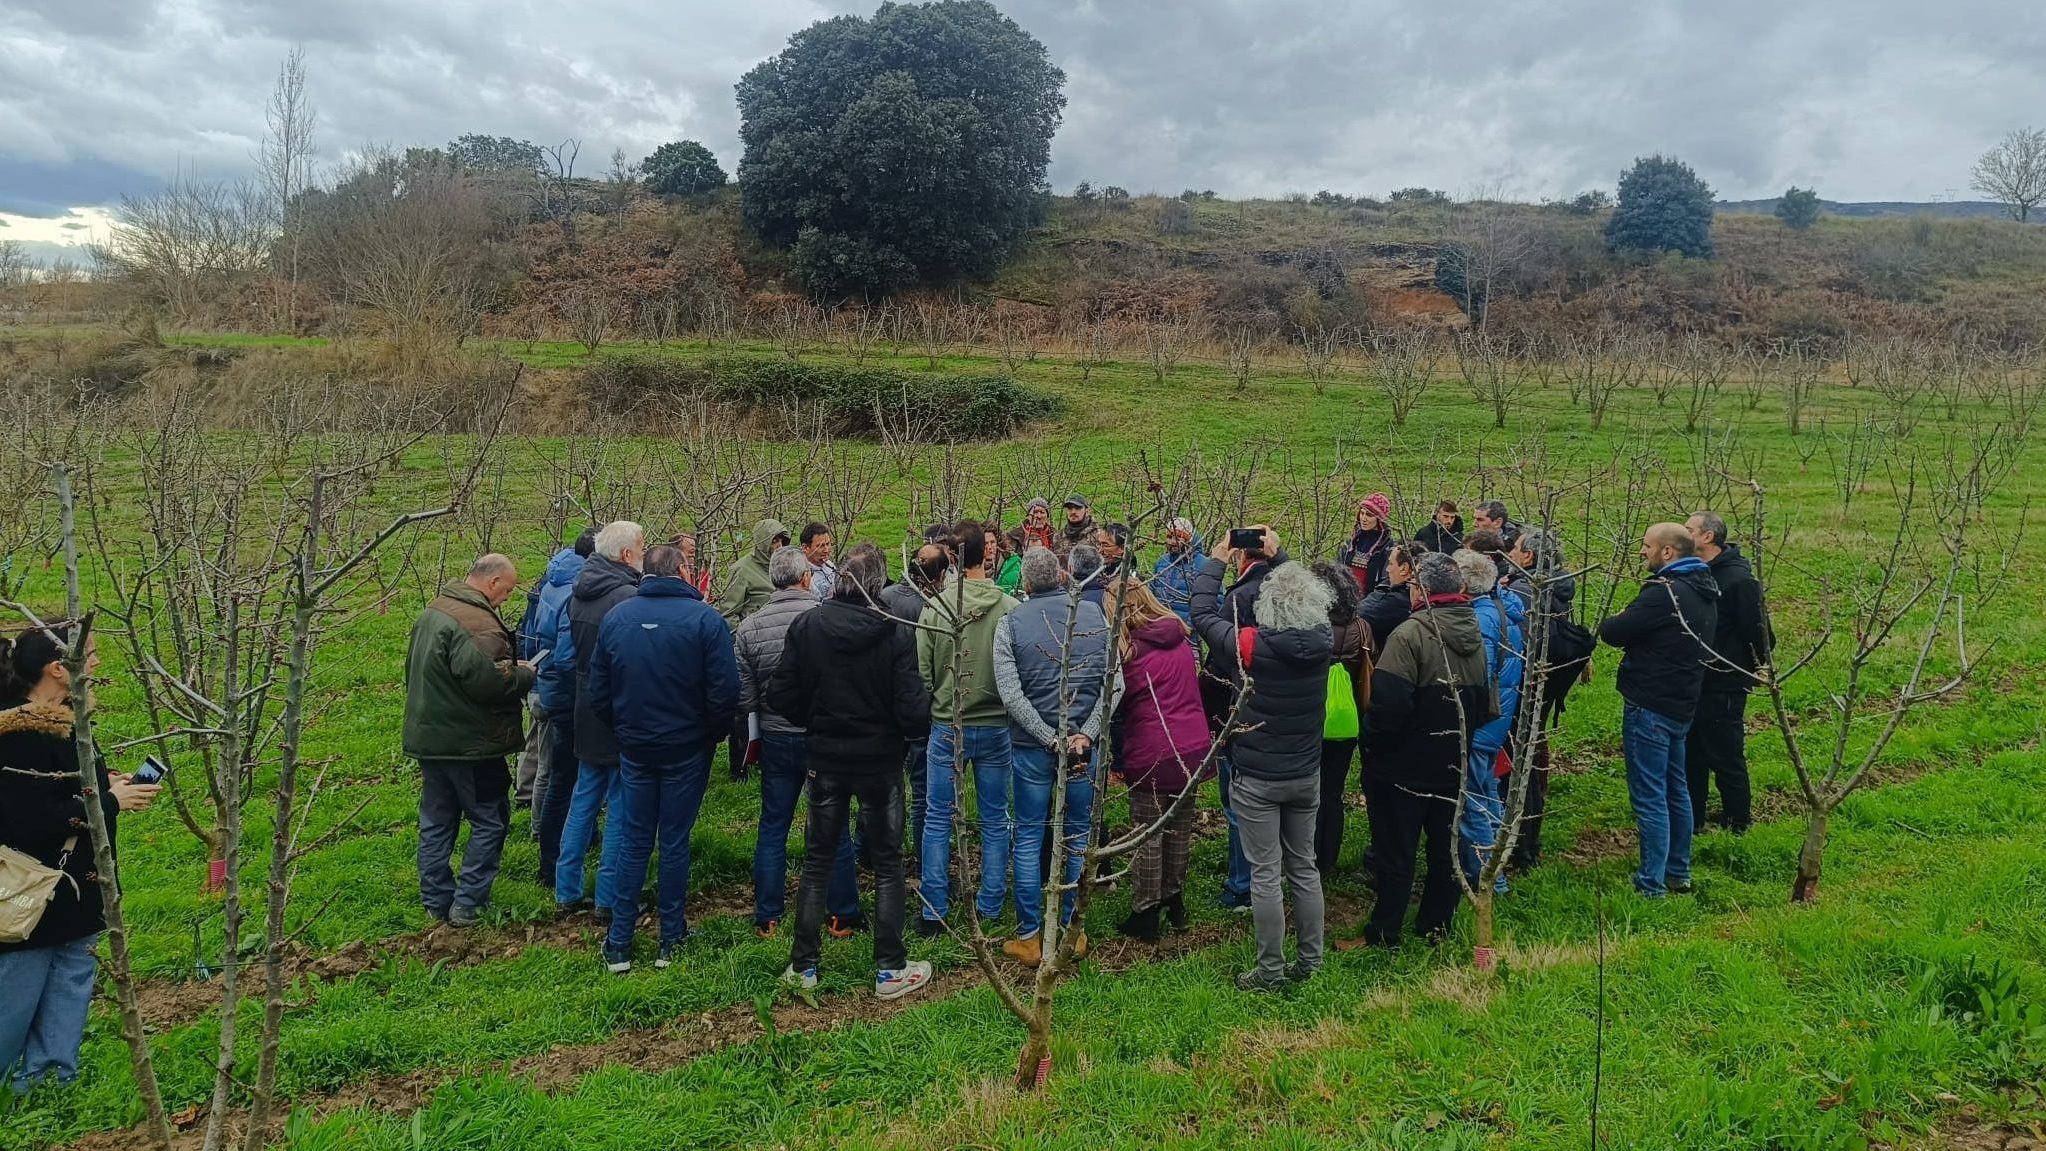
(895, 984)
(800, 980)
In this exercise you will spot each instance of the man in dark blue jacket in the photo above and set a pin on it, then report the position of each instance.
(1664, 633)
(664, 679)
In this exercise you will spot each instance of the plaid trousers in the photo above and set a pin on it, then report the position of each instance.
(1158, 872)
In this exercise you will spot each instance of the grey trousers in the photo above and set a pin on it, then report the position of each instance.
(1276, 821)
(531, 759)
(451, 790)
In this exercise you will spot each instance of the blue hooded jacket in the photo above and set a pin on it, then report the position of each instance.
(1173, 575)
(545, 611)
(1499, 621)
(665, 675)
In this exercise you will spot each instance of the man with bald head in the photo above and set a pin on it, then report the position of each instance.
(464, 687)
(1664, 633)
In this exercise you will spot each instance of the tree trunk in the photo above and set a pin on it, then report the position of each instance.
(277, 893)
(1033, 1065)
(1481, 907)
(1811, 856)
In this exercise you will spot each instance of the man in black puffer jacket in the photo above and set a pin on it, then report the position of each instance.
(1430, 692)
(1664, 633)
(1275, 749)
(609, 578)
(848, 674)
(1716, 747)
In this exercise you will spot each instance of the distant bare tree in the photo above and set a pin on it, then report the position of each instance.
(15, 265)
(2014, 172)
(1494, 378)
(1321, 352)
(285, 161)
(403, 242)
(185, 245)
(1488, 240)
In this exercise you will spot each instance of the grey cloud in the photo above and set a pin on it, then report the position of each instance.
(1870, 99)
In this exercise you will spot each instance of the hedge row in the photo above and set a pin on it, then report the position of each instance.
(854, 402)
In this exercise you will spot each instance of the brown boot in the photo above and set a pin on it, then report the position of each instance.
(1028, 952)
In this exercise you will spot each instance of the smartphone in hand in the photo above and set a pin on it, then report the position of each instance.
(151, 771)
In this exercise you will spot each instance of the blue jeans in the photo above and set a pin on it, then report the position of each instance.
(596, 792)
(1660, 790)
(1480, 819)
(1036, 772)
(42, 1011)
(1236, 883)
(784, 766)
(656, 802)
(989, 751)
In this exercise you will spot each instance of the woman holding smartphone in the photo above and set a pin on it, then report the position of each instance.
(49, 976)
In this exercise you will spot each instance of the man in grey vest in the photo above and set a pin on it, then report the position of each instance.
(1051, 638)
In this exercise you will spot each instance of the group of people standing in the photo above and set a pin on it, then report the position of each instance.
(1002, 656)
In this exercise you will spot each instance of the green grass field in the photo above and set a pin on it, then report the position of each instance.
(1902, 1010)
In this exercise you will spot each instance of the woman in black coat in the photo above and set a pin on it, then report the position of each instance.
(48, 977)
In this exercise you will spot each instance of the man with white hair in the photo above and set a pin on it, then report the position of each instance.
(784, 749)
(609, 578)
(463, 687)
(1481, 819)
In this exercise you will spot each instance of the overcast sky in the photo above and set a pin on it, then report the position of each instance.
(1862, 99)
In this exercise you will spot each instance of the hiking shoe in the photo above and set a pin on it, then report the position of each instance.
(617, 961)
(1300, 971)
(573, 908)
(1682, 887)
(913, 976)
(806, 979)
(668, 952)
(1239, 904)
(1028, 952)
(1080, 946)
(766, 930)
(1260, 981)
(930, 928)
(1175, 911)
(846, 928)
(464, 916)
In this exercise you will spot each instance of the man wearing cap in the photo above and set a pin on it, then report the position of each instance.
(1080, 527)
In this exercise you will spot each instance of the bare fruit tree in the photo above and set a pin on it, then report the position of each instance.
(1403, 364)
(1902, 587)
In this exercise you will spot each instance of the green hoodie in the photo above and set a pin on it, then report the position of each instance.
(748, 587)
(981, 605)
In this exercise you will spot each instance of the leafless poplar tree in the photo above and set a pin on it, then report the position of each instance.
(285, 159)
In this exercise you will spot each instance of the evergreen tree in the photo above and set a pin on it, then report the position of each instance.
(1662, 207)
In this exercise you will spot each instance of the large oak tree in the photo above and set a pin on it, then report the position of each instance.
(906, 148)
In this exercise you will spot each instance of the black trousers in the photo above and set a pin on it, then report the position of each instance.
(1527, 848)
(1717, 749)
(879, 792)
(561, 769)
(1336, 757)
(1400, 821)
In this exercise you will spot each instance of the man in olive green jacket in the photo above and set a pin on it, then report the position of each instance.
(747, 590)
(969, 724)
(464, 686)
(748, 587)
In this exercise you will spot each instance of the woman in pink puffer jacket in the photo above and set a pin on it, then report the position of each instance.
(1162, 741)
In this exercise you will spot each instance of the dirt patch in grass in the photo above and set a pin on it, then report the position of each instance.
(655, 1049)
(1596, 845)
(1971, 1131)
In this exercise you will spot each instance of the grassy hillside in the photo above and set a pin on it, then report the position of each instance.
(1900, 1011)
